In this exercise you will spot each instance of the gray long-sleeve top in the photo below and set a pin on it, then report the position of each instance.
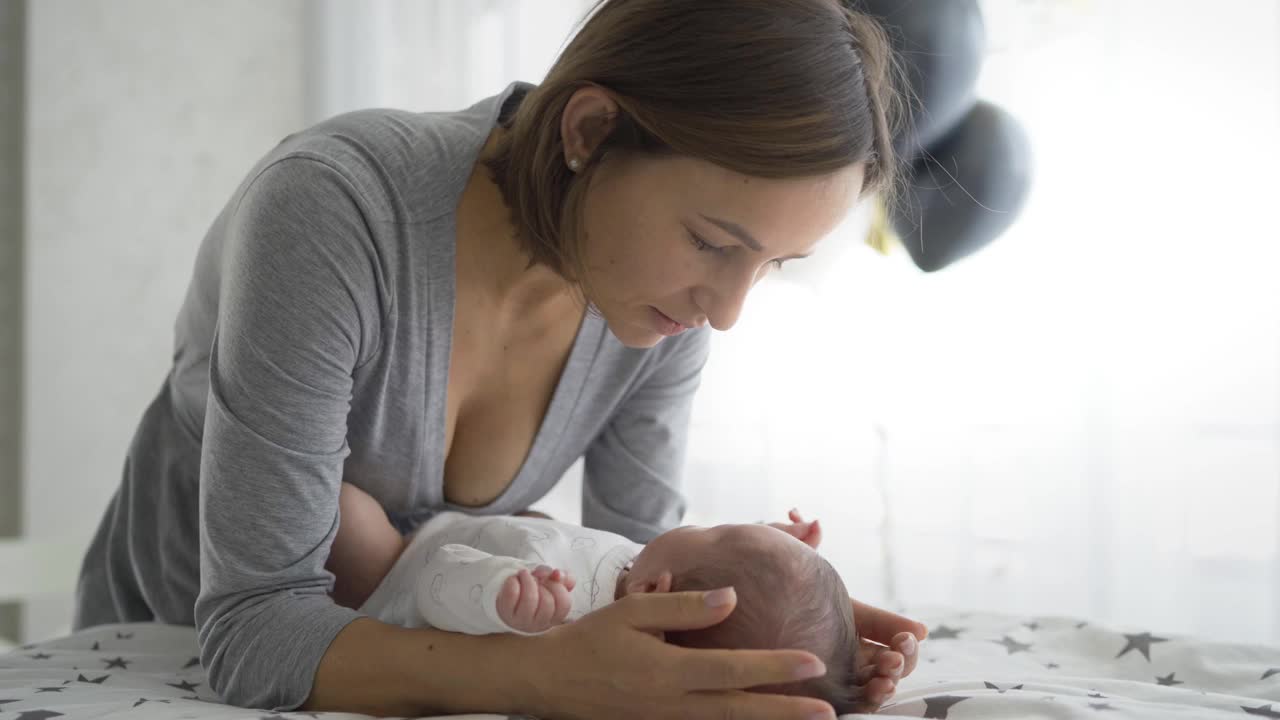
(313, 348)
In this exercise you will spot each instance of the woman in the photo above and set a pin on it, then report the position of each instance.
(400, 301)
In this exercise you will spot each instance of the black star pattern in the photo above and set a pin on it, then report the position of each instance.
(1080, 625)
(944, 632)
(95, 681)
(146, 700)
(117, 663)
(1032, 626)
(38, 715)
(8, 700)
(938, 707)
(95, 647)
(1261, 710)
(1101, 706)
(39, 656)
(1052, 666)
(124, 636)
(1168, 680)
(49, 689)
(184, 686)
(1013, 646)
(1141, 643)
(1269, 673)
(932, 660)
(992, 686)
(193, 662)
(1096, 694)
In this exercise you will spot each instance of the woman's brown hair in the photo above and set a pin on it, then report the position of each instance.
(765, 88)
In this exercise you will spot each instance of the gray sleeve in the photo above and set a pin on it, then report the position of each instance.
(298, 311)
(632, 472)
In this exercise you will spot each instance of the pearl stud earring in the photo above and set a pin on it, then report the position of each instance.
(574, 164)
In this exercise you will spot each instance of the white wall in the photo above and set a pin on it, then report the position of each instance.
(142, 117)
(12, 56)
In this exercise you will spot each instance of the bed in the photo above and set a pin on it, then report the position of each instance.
(976, 665)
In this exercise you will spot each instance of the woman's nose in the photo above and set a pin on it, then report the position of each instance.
(722, 300)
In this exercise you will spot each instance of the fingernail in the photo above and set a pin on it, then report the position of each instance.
(811, 669)
(909, 645)
(718, 598)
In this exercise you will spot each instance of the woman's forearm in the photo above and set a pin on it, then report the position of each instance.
(381, 669)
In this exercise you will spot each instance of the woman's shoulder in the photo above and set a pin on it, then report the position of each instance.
(409, 167)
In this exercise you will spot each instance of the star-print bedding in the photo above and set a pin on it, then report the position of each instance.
(975, 665)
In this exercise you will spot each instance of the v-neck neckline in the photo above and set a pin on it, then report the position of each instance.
(563, 399)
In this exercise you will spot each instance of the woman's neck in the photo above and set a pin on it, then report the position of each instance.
(490, 257)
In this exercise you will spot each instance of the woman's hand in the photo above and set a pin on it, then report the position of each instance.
(809, 533)
(885, 666)
(613, 663)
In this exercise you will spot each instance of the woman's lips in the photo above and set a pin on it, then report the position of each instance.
(666, 325)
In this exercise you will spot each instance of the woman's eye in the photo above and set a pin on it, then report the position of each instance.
(703, 244)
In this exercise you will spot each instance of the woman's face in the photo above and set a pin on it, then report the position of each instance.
(686, 239)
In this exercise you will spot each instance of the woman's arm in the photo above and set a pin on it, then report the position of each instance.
(381, 669)
(609, 664)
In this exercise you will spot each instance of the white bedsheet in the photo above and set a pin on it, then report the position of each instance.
(975, 666)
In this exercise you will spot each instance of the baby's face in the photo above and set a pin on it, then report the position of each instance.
(682, 548)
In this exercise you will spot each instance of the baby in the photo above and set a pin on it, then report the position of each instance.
(526, 574)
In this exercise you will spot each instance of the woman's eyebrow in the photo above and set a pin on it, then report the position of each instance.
(741, 233)
(735, 230)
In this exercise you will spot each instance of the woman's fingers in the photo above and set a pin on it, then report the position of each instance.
(678, 610)
(754, 706)
(738, 669)
(883, 626)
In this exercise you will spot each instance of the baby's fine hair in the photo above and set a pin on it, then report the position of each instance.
(783, 603)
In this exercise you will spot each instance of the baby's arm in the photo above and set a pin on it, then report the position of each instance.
(463, 589)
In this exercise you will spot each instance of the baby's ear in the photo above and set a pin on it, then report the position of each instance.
(664, 582)
(661, 585)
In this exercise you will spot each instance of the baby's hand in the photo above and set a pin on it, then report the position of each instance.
(535, 601)
(808, 533)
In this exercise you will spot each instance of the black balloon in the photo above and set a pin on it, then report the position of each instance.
(969, 162)
(966, 190)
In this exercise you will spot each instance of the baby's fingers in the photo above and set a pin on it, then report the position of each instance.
(543, 618)
(563, 603)
(507, 598)
(528, 604)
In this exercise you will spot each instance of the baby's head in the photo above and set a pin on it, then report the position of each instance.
(789, 597)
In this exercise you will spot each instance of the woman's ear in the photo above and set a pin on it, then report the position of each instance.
(586, 121)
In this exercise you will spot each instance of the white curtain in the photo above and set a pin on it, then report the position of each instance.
(1083, 419)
